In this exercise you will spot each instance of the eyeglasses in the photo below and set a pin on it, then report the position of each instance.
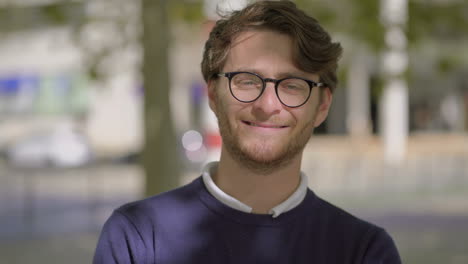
(247, 87)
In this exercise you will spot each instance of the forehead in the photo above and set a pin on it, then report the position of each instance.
(260, 37)
(264, 52)
(257, 49)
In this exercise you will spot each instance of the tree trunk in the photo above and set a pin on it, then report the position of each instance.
(160, 155)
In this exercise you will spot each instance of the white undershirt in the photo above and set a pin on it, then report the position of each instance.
(294, 200)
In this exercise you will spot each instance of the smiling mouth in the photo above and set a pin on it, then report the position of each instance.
(263, 125)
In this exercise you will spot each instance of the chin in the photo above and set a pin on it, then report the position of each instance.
(263, 158)
(262, 155)
(263, 152)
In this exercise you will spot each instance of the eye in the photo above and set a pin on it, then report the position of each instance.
(247, 82)
(292, 87)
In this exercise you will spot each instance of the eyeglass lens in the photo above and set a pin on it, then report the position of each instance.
(247, 87)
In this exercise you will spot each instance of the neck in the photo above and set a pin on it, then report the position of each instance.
(260, 191)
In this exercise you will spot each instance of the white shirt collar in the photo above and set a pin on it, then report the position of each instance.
(294, 200)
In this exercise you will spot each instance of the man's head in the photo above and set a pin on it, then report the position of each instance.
(271, 41)
(313, 50)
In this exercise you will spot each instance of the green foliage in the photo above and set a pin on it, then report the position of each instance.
(320, 10)
(448, 63)
(357, 18)
(342, 75)
(54, 14)
(360, 19)
(187, 11)
(366, 25)
(437, 21)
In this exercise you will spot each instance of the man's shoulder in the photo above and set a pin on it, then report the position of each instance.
(339, 218)
(346, 230)
(163, 203)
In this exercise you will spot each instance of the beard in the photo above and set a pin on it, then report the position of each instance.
(261, 157)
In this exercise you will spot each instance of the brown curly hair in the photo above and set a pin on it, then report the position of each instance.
(313, 49)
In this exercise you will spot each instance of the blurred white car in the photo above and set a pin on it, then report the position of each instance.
(63, 147)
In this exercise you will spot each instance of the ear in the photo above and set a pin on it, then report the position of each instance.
(322, 110)
(212, 95)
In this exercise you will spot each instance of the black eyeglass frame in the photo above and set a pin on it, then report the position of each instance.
(311, 84)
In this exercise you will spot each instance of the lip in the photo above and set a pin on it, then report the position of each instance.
(263, 125)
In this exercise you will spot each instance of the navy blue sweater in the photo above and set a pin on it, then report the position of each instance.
(189, 225)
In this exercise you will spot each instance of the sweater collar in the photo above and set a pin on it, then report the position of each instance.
(291, 202)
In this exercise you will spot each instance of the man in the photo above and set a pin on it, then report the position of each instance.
(270, 70)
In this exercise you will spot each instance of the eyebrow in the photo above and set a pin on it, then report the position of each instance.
(279, 75)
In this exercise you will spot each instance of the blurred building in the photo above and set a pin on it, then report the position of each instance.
(50, 59)
(47, 74)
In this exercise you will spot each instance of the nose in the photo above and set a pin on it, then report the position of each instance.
(268, 104)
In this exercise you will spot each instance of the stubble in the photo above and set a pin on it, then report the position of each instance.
(256, 157)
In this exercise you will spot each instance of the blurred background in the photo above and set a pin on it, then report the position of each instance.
(102, 102)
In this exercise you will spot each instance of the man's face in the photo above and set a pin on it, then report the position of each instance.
(265, 134)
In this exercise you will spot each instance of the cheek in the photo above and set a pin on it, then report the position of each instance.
(305, 115)
(226, 109)
(231, 106)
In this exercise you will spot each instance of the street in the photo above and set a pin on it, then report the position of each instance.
(54, 215)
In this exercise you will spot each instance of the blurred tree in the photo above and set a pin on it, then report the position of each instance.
(360, 19)
(15, 18)
(160, 157)
(357, 19)
(359, 23)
